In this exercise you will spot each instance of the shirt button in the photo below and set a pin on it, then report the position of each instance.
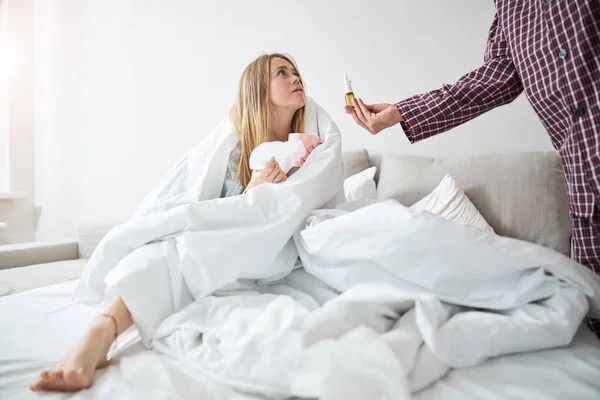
(562, 54)
(579, 112)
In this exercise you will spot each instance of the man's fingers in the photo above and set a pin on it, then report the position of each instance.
(368, 116)
(364, 111)
(360, 114)
(357, 120)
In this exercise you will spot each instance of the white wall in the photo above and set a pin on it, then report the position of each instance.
(129, 85)
(59, 36)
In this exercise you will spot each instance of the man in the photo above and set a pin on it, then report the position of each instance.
(551, 50)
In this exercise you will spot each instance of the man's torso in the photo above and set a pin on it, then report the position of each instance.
(555, 46)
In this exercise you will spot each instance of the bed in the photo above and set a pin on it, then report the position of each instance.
(520, 195)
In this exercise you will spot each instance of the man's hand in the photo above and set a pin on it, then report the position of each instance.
(374, 117)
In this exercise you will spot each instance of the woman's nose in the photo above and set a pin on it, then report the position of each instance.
(296, 79)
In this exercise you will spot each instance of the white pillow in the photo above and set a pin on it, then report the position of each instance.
(361, 186)
(450, 202)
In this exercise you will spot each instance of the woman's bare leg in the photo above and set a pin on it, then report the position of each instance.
(76, 370)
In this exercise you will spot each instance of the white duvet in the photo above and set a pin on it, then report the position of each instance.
(419, 294)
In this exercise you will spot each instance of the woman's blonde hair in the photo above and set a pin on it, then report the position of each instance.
(251, 114)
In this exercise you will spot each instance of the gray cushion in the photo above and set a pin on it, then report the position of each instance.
(521, 195)
(20, 279)
(355, 161)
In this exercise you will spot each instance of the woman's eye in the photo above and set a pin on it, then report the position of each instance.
(281, 72)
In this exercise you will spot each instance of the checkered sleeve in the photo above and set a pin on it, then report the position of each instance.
(493, 84)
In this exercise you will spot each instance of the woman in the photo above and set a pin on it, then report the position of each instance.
(270, 105)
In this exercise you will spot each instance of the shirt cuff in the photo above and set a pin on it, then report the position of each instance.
(408, 118)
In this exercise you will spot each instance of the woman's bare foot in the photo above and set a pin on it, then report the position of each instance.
(76, 371)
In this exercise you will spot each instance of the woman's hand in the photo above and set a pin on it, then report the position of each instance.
(272, 173)
(309, 150)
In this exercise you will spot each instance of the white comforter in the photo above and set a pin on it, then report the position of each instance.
(420, 294)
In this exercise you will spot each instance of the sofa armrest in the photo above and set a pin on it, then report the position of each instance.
(24, 254)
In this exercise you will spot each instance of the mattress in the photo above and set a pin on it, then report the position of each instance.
(40, 325)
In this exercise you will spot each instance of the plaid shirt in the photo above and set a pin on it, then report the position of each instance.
(551, 50)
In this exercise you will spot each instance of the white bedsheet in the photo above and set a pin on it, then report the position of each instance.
(39, 326)
(34, 337)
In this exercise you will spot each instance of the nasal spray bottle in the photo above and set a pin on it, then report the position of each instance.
(348, 91)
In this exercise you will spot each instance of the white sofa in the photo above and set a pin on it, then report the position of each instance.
(521, 195)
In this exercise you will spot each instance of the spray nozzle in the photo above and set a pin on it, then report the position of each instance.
(347, 84)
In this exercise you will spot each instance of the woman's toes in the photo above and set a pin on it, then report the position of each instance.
(57, 385)
(76, 378)
(56, 375)
(37, 385)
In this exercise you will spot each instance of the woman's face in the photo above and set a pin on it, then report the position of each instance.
(286, 89)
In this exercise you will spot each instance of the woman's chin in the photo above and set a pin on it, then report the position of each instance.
(301, 100)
